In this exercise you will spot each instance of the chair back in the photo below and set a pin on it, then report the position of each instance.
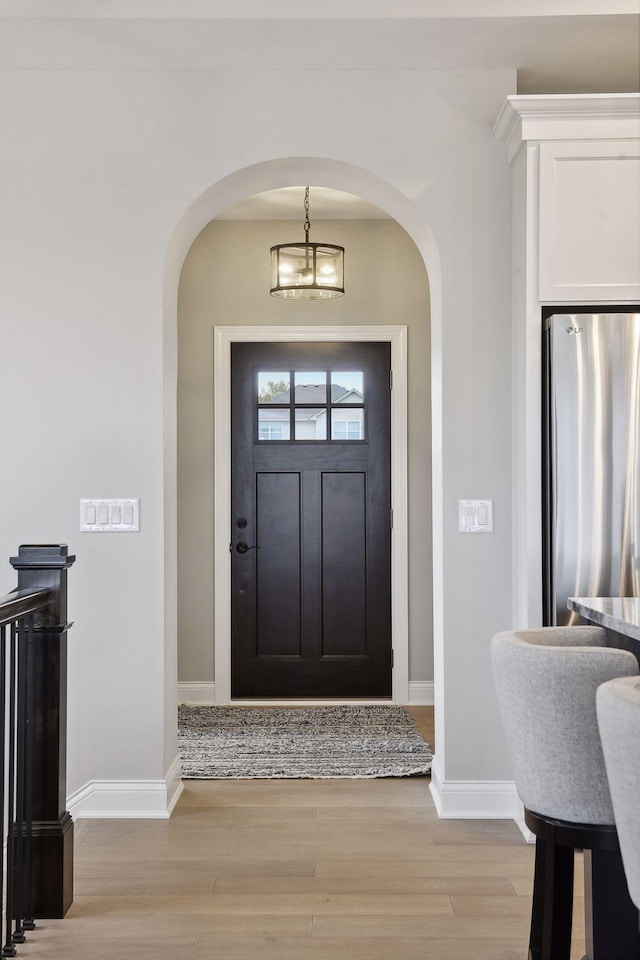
(546, 682)
(618, 708)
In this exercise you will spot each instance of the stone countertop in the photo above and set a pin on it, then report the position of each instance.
(621, 614)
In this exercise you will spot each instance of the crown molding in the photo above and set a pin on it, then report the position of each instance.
(591, 116)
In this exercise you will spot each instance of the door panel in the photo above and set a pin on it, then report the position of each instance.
(311, 605)
(344, 570)
(278, 574)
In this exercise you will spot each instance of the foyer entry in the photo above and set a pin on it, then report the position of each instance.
(310, 520)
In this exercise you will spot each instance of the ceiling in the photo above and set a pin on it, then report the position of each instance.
(287, 204)
(293, 9)
(556, 46)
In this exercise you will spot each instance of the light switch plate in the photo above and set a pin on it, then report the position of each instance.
(475, 516)
(110, 516)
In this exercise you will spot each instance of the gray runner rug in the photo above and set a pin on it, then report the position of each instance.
(247, 743)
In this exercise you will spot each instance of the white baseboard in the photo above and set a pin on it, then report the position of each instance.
(198, 694)
(128, 799)
(420, 693)
(520, 824)
(203, 694)
(174, 783)
(474, 799)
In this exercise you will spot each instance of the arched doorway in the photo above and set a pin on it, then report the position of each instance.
(257, 179)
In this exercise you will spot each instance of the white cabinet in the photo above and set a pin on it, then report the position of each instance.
(589, 221)
(582, 185)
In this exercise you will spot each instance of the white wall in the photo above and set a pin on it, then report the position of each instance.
(225, 281)
(97, 170)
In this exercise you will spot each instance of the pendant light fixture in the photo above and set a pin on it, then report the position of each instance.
(307, 271)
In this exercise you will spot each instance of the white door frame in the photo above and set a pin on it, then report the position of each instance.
(223, 338)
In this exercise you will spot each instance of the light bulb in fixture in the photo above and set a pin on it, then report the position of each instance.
(326, 275)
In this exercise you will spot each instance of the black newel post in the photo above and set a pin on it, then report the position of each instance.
(45, 567)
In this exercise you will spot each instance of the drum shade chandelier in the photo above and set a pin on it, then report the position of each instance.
(307, 271)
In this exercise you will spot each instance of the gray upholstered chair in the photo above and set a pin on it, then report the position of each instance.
(618, 707)
(546, 681)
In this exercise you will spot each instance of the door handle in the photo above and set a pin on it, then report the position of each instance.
(243, 547)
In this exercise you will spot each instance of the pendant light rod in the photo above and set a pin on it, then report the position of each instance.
(307, 222)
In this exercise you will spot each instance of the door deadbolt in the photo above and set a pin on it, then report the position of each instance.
(241, 523)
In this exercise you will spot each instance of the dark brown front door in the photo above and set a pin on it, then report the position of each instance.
(311, 506)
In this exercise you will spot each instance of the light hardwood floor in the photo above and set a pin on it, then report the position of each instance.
(298, 870)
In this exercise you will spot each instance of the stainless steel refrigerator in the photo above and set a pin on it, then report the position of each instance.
(591, 469)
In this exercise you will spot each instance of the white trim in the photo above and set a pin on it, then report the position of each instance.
(223, 338)
(520, 824)
(420, 693)
(526, 380)
(473, 799)
(203, 695)
(128, 799)
(566, 117)
(174, 785)
(197, 694)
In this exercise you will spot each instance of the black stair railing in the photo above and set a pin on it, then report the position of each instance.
(36, 878)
